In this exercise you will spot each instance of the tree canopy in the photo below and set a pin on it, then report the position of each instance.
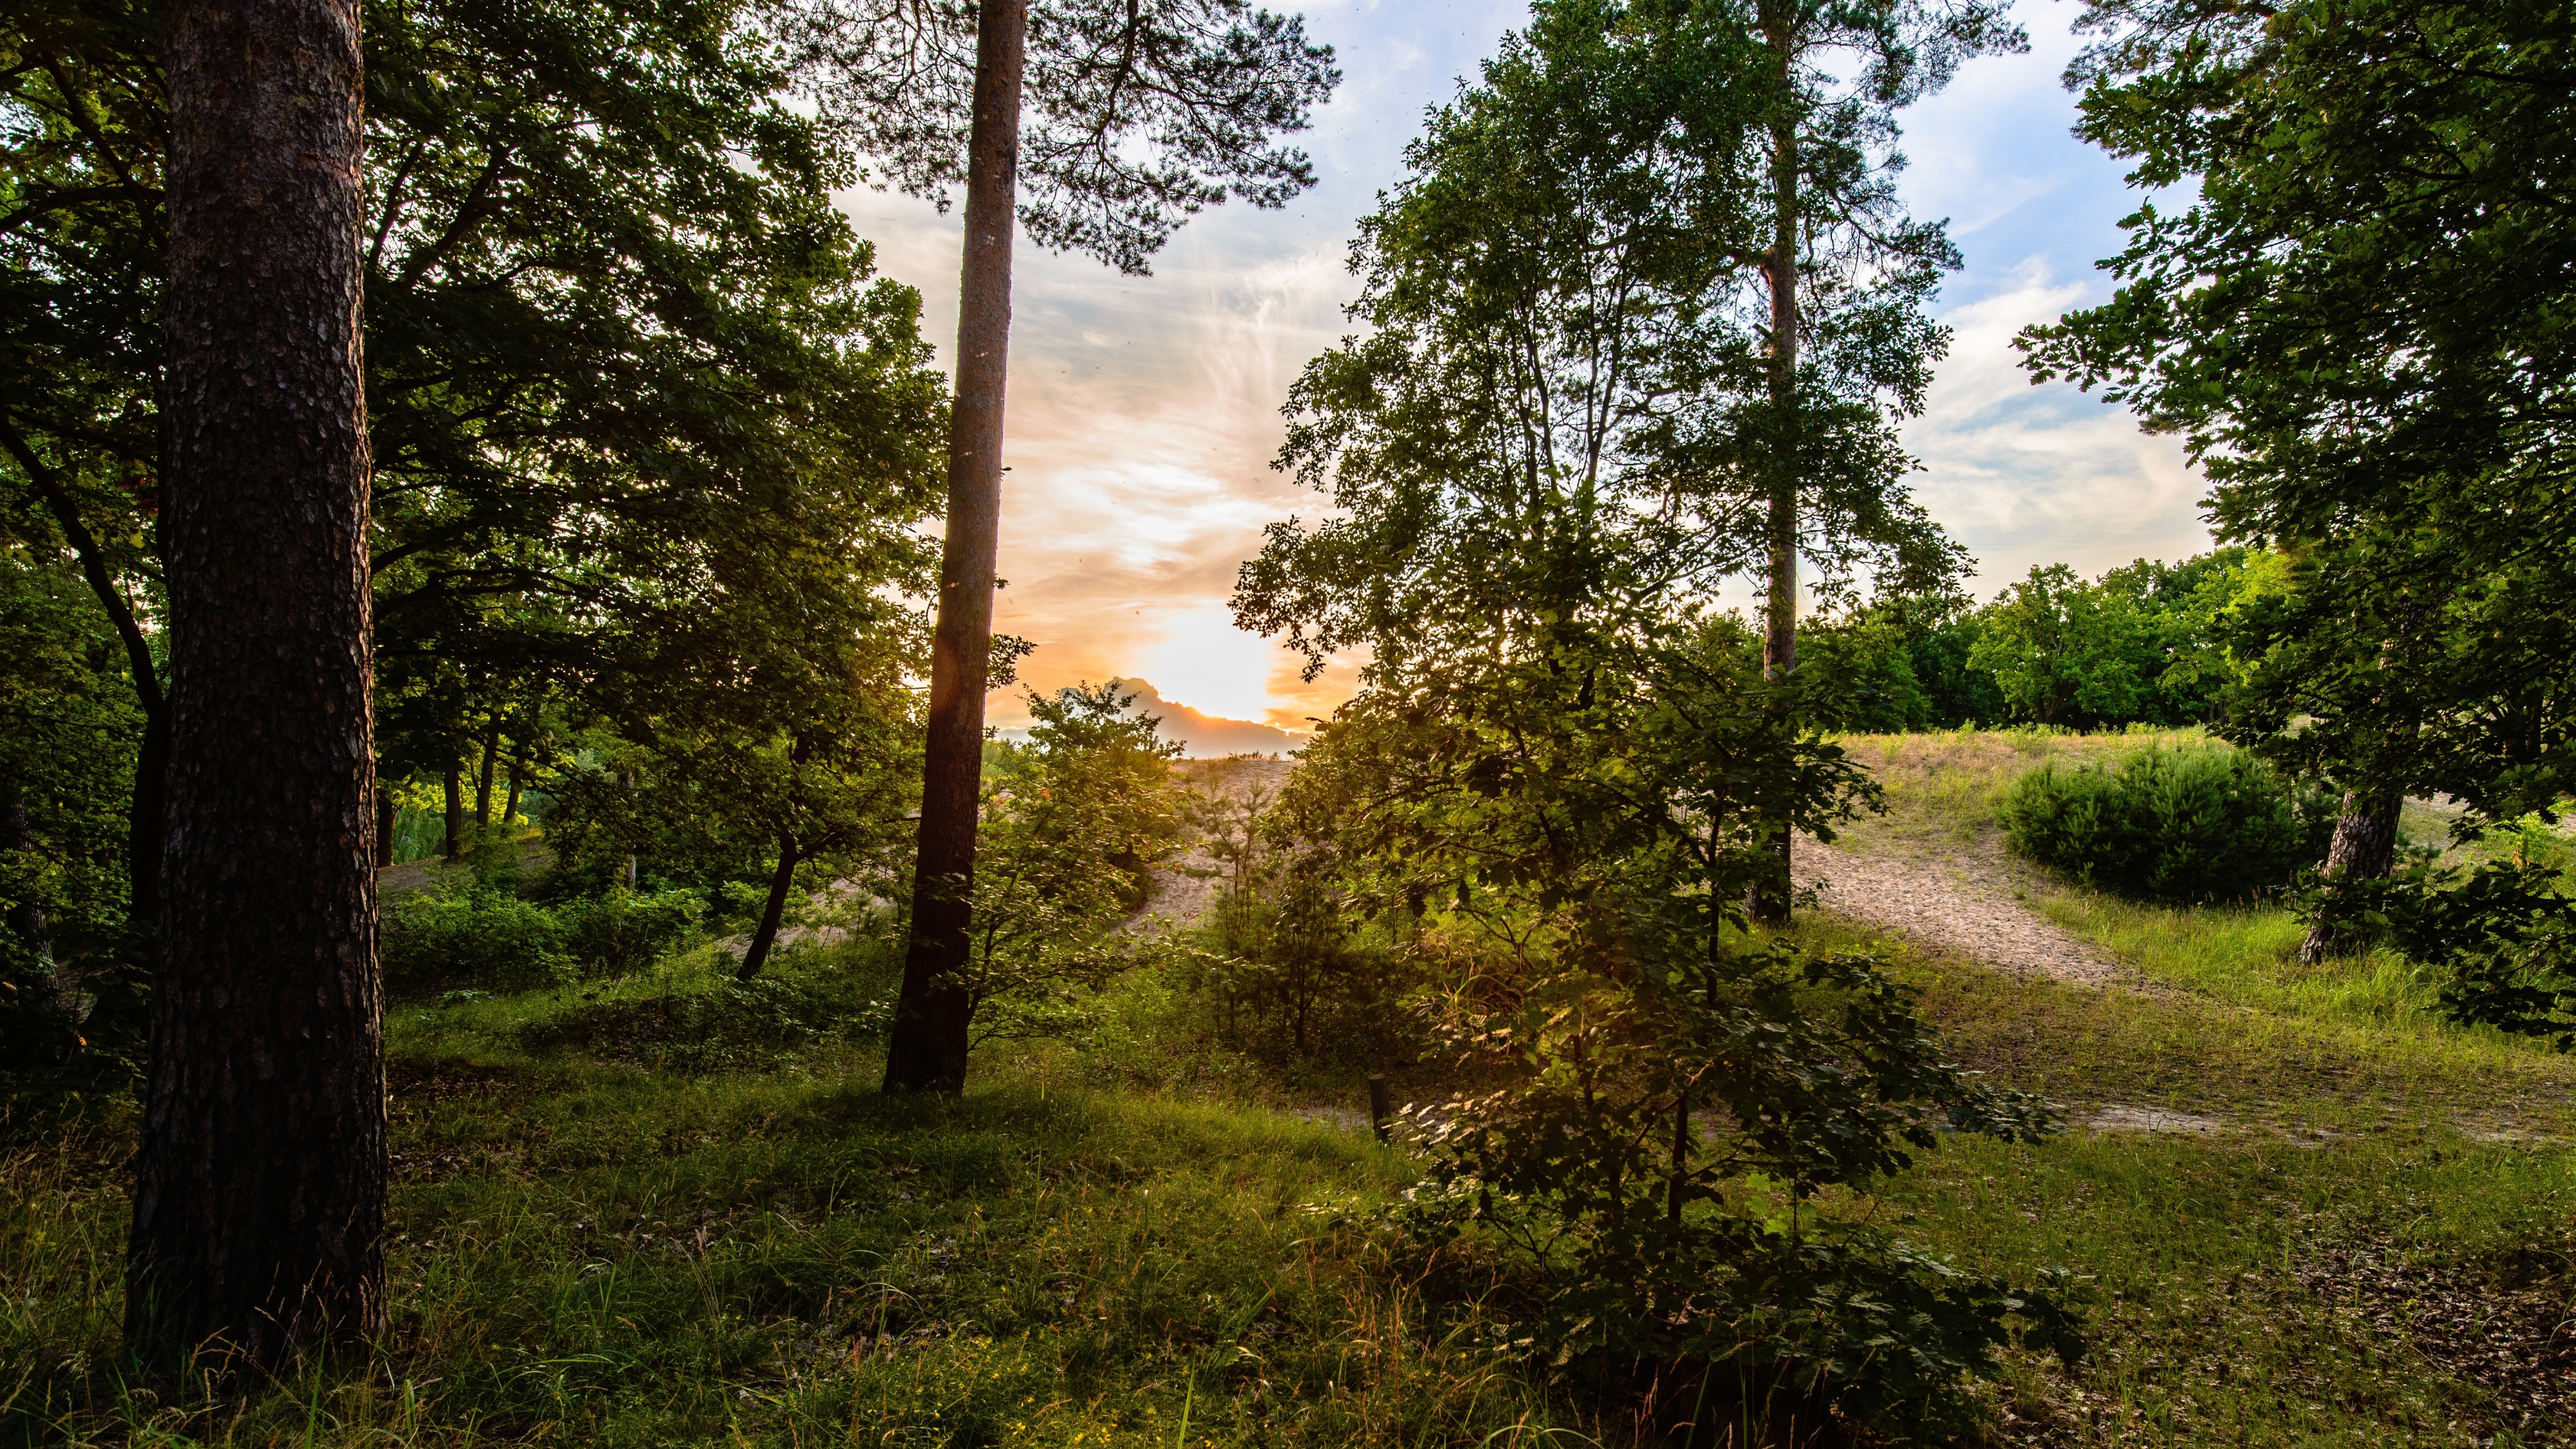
(2358, 324)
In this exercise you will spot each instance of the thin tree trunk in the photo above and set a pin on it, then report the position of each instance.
(1768, 900)
(455, 845)
(2364, 848)
(483, 775)
(384, 826)
(146, 812)
(927, 1048)
(518, 768)
(259, 1194)
(26, 918)
(756, 954)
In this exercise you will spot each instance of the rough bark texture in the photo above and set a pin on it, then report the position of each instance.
(144, 814)
(927, 1049)
(260, 1177)
(2364, 848)
(1768, 900)
(384, 826)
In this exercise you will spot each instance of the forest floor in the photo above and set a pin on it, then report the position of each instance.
(674, 1209)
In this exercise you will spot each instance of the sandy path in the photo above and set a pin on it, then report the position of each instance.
(1960, 904)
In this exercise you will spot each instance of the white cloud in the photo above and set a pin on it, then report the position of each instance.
(2027, 475)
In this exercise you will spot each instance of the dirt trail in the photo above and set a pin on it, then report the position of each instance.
(1962, 904)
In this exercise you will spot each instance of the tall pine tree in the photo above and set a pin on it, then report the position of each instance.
(259, 1196)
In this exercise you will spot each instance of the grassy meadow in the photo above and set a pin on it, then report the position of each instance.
(675, 1210)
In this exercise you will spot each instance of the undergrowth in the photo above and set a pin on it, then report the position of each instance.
(666, 1209)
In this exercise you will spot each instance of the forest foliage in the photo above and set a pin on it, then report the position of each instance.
(657, 455)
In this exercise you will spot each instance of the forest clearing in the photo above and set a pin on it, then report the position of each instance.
(672, 1208)
(1758, 823)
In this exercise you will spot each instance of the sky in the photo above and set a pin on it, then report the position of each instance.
(1144, 411)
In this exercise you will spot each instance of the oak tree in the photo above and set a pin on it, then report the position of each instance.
(2358, 322)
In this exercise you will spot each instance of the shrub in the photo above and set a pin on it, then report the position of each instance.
(2168, 824)
(480, 936)
(1647, 1176)
(471, 936)
(1285, 977)
(623, 931)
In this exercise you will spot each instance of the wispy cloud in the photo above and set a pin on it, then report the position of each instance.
(2029, 475)
(1144, 412)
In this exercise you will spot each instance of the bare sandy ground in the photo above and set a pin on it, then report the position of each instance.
(1960, 903)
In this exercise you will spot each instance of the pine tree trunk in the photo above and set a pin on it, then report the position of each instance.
(2364, 848)
(756, 955)
(1768, 900)
(927, 1048)
(384, 826)
(259, 1196)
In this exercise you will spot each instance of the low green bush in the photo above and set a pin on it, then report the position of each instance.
(479, 935)
(623, 931)
(471, 936)
(2193, 824)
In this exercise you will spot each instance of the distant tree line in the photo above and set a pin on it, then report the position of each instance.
(2145, 643)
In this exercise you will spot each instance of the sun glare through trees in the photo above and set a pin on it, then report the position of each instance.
(521, 918)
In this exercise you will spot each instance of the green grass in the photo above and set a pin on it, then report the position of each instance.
(668, 1211)
(609, 1257)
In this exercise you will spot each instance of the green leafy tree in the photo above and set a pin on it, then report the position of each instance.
(2063, 650)
(631, 381)
(2360, 326)
(2146, 643)
(1867, 653)
(1073, 823)
(1558, 764)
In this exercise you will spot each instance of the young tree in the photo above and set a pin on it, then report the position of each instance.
(1072, 824)
(1563, 770)
(259, 1192)
(1139, 115)
(2360, 326)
